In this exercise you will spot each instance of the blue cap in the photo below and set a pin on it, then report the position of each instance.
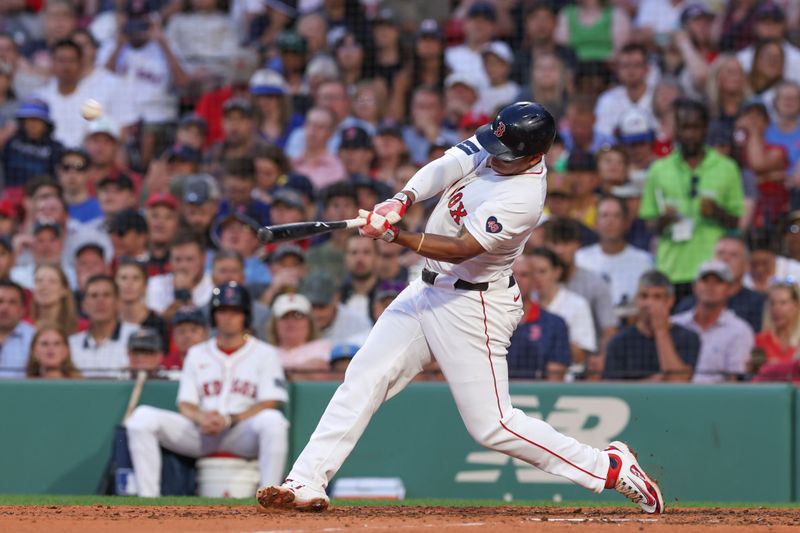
(343, 351)
(34, 108)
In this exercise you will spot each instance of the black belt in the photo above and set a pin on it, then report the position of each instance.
(428, 276)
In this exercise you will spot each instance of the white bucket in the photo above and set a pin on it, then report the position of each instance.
(227, 477)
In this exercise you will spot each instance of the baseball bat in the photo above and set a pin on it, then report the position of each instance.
(303, 230)
(136, 393)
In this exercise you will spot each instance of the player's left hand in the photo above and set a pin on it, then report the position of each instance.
(377, 227)
(391, 209)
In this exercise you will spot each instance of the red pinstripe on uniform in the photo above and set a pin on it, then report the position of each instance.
(497, 395)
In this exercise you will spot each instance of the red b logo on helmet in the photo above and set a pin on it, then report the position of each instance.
(500, 129)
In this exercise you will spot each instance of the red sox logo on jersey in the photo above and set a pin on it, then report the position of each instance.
(245, 388)
(500, 129)
(457, 209)
(212, 388)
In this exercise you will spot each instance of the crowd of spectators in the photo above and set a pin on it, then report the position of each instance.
(669, 249)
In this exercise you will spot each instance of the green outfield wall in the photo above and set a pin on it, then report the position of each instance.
(719, 443)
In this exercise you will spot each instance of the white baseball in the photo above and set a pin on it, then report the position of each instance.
(91, 109)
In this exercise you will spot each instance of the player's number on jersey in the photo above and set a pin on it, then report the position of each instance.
(468, 147)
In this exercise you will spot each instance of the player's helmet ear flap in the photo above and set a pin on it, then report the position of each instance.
(522, 129)
(230, 294)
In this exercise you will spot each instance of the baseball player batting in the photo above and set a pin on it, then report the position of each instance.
(229, 393)
(462, 312)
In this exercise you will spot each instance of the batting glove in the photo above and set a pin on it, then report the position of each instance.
(394, 208)
(377, 227)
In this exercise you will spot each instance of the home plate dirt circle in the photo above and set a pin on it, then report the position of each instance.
(243, 519)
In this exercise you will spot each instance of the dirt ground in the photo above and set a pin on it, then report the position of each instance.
(102, 518)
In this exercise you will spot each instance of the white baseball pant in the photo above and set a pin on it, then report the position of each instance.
(468, 333)
(264, 435)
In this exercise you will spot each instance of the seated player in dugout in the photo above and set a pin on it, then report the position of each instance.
(462, 311)
(231, 391)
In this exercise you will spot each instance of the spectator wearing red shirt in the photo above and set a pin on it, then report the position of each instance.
(780, 335)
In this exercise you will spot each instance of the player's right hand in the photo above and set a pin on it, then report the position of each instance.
(377, 226)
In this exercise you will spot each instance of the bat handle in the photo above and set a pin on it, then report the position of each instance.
(356, 222)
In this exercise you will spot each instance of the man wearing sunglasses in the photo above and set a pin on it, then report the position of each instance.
(73, 176)
(691, 198)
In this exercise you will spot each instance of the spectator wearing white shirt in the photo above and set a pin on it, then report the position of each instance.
(335, 321)
(188, 283)
(770, 24)
(497, 61)
(15, 335)
(479, 28)
(616, 261)
(725, 339)
(656, 19)
(67, 90)
(548, 277)
(153, 74)
(102, 350)
(633, 91)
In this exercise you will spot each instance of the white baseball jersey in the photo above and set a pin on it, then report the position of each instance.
(230, 384)
(498, 211)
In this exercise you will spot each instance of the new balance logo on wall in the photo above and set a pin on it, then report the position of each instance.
(594, 420)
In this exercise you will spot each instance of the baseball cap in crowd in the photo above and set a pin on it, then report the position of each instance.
(193, 119)
(296, 182)
(343, 351)
(34, 108)
(482, 9)
(235, 216)
(42, 225)
(462, 78)
(752, 104)
(9, 210)
(287, 303)
(319, 288)
(391, 130)
(429, 28)
(636, 126)
(286, 250)
(355, 137)
(717, 268)
(386, 16)
(499, 49)
(291, 41)
(473, 120)
(183, 152)
(241, 105)
(289, 198)
(189, 314)
(769, 11)
(135, 8)
(123, 181)
(145, 340)
(581, 161)
(267, 82)
(104, 126)
(695, 10)
(200, 188)
(162, 198)
(127, 220)
(136, 24)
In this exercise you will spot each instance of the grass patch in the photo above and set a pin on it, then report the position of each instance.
(45, 500)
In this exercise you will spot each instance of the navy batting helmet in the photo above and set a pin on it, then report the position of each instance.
(230, 294)
(519, 130)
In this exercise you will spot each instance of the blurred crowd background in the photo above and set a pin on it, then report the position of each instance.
(669, 249)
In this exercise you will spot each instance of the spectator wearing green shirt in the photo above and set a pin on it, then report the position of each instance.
(691, 198)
